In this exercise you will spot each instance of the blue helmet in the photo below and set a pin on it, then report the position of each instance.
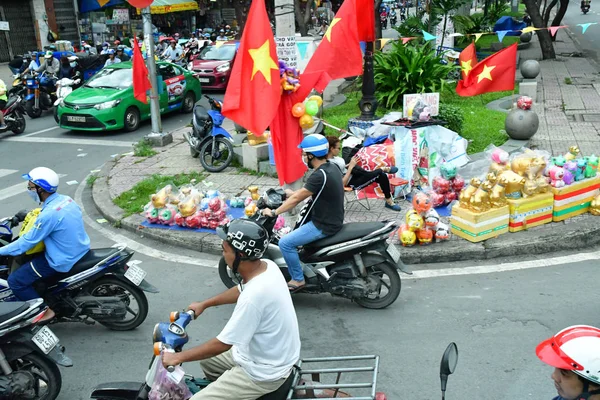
(315, 144)
(44, 178)
(110, 51)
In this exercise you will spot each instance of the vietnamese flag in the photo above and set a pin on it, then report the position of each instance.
(254, 88)
(141, 84)
(467, 60)
(365, 20)
(338, 55)
(493, 74)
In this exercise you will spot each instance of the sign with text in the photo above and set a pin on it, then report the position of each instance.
(4, 26)
(286, 50)
(414, 104)
(120, 15)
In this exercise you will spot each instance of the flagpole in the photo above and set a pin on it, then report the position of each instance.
(368, 102)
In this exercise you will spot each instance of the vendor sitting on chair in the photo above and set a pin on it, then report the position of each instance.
(358, 178)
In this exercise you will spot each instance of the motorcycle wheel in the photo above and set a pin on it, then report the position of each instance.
(49, 380)
(109, 286)
(32, 111)
(226, 274)
(220, 160)
(376, 274)
(20, 122)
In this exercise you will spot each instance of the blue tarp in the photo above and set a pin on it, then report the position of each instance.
(93, 5)
(509, 24)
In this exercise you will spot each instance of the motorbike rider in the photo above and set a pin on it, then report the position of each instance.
(222, 36)
(112, 58)
(121, 54)
(51, 65)
(65, 70)
(173, 53)
(574, 353)
(255, 352)
(18, 64)
(104, 48)
(357, 178)
(3, 100)
(323, 216)
(585, 3)
(33, 64)
(59, 225)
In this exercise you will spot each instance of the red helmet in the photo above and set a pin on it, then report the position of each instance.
(576, 348)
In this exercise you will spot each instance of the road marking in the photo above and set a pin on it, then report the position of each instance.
(88, 142)
(6, 172)
(211, 262)
(42, 131)
(13, 190)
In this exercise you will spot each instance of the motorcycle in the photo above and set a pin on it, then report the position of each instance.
(14, 114)
(18, 87)
(208, 139)
(64, 87)
(585, 9)
(172, 337)
(41, 93)
(104, 286)
(29, 353)
(393, 19)
(353, 263)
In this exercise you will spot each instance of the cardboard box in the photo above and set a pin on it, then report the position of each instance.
(574, 199)
(530, 211)
(476, 227)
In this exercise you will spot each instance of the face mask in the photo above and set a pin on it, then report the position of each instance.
(73, 65)
(34, 196)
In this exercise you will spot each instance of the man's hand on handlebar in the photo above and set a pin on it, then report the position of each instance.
(170, 359)
(268, 212)
(197, 307)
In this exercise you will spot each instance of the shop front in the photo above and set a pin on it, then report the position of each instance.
(115, 20)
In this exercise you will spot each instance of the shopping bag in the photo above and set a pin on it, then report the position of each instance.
(169, 385)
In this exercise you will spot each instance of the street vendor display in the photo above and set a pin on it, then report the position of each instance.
(422, 223)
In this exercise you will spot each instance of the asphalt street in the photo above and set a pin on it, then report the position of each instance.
(590, 41)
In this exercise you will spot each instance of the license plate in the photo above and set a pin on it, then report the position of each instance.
(135, 274)
(393, 251)
(75, 119)
(45, 339)
(30, 82)
(204, 80)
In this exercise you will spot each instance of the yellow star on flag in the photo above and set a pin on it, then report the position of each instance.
(466, 67)
(102, 3)
(486, 74)
(328, 33)
(263, 61)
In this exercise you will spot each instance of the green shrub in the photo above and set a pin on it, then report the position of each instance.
(453, 115)
(408, 69)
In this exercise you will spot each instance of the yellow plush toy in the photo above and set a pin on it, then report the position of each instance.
(28, 223)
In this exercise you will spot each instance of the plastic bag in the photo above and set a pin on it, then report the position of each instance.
(169, 386)
(28, 223)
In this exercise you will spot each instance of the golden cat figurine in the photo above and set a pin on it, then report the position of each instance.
(498, 195)
(464, 199)
(480, 201)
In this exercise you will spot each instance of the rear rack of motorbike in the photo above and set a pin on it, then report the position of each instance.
(323, 370)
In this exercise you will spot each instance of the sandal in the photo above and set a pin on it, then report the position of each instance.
(295, 288)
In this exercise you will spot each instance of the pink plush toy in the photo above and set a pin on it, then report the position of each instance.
(167, 215)
(151, 213)
(280, 223)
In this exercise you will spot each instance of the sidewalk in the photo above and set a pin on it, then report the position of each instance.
(558, 130)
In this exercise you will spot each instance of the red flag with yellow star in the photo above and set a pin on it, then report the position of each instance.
(467, 60)
(338, 55)
(254, 90)
(493, 74)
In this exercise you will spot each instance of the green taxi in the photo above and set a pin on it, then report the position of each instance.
(106, 101)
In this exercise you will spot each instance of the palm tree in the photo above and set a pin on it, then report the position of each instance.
(445, 7)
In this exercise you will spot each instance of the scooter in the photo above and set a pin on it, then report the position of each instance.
(40, 94)
(18, 87)
(585, 9)
(29, 353)
(64, 87)
(172, 337)
(104, 286)
(14, 114)
(355, 263)
(208, 139)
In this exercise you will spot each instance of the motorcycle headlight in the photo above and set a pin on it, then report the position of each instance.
(107, 104)
(224, 68)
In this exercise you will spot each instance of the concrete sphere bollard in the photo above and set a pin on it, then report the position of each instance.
(526, 37)
(521, 124)
(530, 69)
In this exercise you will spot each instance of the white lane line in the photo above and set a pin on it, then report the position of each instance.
(88, 142)
(514, 266)
(6, 172)
(42, 131)
(13, 190)
(210, 261)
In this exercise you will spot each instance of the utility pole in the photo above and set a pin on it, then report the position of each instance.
(156, 136)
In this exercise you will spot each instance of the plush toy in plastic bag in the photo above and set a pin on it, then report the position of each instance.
(167, 386)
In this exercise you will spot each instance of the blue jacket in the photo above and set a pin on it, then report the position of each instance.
(60, 226)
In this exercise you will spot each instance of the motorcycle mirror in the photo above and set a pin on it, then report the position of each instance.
(447, 365)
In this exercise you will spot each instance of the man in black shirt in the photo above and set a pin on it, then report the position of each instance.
(322, 216)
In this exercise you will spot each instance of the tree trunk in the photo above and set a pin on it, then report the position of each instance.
(560, 14)
(444, 32)
(543, 34)
(302, 18)
(378, 30)
(548, 10)
(240, 17)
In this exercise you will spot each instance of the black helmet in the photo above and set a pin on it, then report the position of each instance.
(249, 239)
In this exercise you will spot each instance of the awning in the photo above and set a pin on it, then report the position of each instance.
(92, 5)
(168, 6)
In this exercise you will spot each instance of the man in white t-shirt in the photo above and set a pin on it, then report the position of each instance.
(255, 352)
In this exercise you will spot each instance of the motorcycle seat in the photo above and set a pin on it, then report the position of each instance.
(11, 309)
(86, 262)
(350, 231)
(283, 390)
(200, 114)
(11, 100)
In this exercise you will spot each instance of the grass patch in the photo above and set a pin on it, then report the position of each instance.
(143, 148)
(481, 126)
(134, 200)
(568, 81)
(485, 41)
(91, 179)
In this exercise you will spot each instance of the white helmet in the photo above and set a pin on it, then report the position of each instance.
(44, 178)
(577, 349)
